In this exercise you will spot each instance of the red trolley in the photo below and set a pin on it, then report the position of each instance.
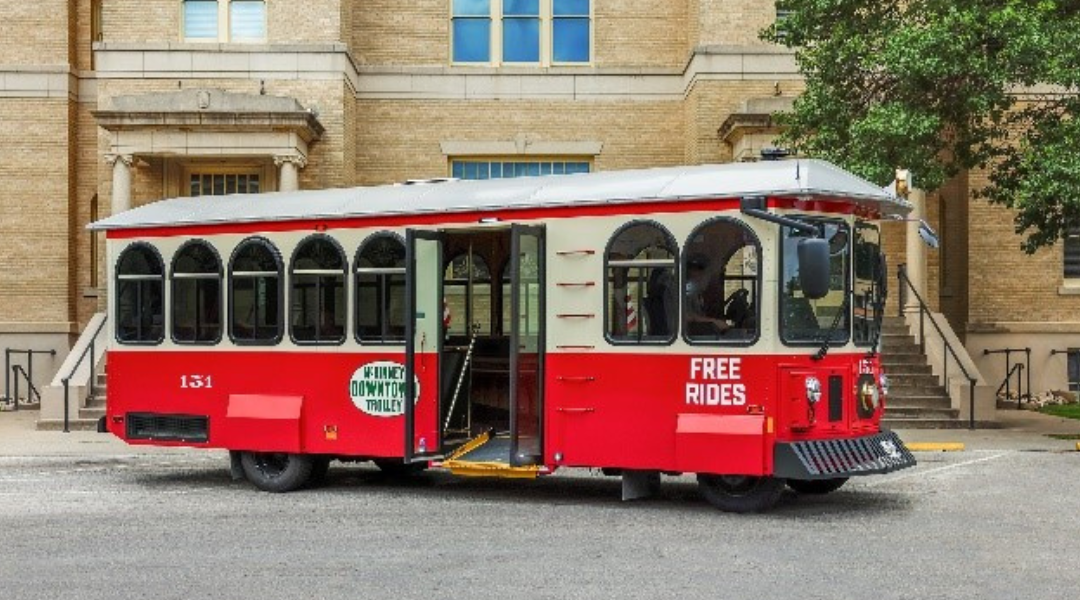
(717, 320)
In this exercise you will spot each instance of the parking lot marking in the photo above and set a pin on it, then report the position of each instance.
(935, 447)
(938, 469)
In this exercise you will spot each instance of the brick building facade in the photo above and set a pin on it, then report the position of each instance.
(106, 105)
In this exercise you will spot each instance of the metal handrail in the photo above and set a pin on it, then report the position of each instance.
(15, 371)
(924, 311)
(1006, 383)
(1009, 369)
(67, 378)
(29, 371)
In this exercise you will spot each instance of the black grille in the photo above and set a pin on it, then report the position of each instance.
(167, 428)
(824, 459)
(836, 398)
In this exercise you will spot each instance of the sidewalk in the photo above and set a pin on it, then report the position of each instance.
(19, 437)
(1020, 430)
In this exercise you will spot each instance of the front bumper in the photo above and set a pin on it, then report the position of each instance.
(830, 459)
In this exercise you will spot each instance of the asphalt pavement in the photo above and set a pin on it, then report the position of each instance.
(83, 516)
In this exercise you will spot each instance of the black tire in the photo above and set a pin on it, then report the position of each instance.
(320, 465)
(276, 471)
(740, 493)
(397, 468)
(816, 486)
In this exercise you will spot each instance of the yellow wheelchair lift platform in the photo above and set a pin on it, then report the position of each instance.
(487, 455)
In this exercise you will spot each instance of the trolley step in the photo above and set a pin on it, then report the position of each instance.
(488, 455)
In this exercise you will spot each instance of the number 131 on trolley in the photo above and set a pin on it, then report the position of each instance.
(721, 321)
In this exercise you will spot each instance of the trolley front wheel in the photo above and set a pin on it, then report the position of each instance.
(816, 486)
(277, 471)
(740, 493)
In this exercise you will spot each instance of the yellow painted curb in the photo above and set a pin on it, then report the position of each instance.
(1078, 446)
(937, 447)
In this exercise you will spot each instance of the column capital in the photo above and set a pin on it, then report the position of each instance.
(295, 159)
(112, 158)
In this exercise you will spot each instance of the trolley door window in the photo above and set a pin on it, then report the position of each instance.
(722, 274)
(467, 295)
(869, 286)
(255, 302)
(806, 321)
(140, 296)
(317, 305)
(196, 295)
(641, 285)
(380, 290)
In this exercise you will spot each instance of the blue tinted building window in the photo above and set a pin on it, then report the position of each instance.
(540, 32)
(482, 169)
(521, 30)
(472, 31)
(570, 31)
(247, 19)
(201, 19)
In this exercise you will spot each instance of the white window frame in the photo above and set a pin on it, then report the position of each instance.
(224, 25)
(547, 42)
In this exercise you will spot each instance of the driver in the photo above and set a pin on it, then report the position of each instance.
(700, 306)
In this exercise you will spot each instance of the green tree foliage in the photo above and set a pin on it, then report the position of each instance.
(938, 86)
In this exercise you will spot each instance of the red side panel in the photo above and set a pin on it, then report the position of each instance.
(261, 422)
(253, 398)
(729, 444)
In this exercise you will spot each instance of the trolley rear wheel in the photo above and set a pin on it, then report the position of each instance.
(740, 493)
(816, 486)
(277, 471)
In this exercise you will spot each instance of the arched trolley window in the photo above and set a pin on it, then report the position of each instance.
(810, 322)
(317, 305)
(641, 285)
(380, 290)
(196, 294)
(140, 295)
(255, 293)
(722, 274)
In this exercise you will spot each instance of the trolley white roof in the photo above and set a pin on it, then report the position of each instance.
(803, 178)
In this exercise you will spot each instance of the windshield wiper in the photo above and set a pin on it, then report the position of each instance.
(824, 349)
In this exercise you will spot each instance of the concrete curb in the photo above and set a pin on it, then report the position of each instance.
(935, 447)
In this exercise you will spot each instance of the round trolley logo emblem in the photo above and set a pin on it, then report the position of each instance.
(378, 389)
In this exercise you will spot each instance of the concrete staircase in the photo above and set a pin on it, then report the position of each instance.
(916, 400)
(86, 418)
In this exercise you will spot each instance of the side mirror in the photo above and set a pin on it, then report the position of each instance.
(814, 267)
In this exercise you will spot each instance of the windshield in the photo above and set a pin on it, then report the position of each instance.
(869, 291)
(803, 320)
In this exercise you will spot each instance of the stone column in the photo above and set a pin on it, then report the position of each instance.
(121, 181)
(916, 249)
(289, 166)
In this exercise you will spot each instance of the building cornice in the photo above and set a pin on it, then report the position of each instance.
(181, 61)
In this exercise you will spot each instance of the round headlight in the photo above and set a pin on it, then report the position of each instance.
(813, 390)
(868, 394)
